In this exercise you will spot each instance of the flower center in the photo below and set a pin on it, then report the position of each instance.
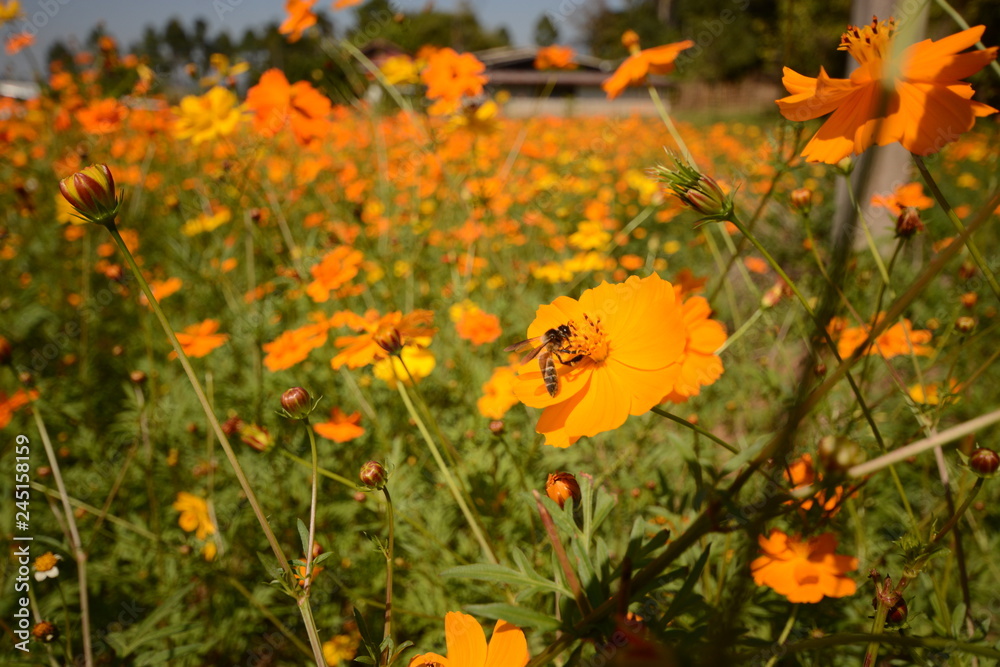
(870, 43)
(588, 339)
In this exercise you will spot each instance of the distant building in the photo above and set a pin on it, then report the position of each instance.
(575, 92)
(21, 90)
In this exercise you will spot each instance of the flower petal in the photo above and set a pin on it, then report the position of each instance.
(465, 639)
(508, 647)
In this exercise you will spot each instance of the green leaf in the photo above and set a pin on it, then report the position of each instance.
(322, 557)
(167, 656)
(303, 535)
(503, 575)
(366, 636)
(519, 616)
(683, 597)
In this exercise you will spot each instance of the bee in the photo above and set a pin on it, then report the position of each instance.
(547, 347)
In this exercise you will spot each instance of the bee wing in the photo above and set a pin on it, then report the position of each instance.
(517, 347)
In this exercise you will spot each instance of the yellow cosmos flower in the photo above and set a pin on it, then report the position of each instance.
(400, 70)
(621, 358)
(206, 223)
(206, 117)
(467, 645)
(194, 515)
(419, 361)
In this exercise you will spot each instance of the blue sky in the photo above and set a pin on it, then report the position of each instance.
(125, 19)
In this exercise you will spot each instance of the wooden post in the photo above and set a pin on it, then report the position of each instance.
(892, 166)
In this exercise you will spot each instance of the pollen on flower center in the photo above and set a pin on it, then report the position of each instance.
(588, 339)
(870, 43)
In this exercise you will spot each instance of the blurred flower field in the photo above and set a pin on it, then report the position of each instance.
(412, 382)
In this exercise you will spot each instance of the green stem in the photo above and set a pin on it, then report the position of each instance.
(671, 128)
(387, 634)
(694, 427)
(203, 400)
(448, 478)
(312, 506)
(784, 635)
(314, 642)
(977, 256)
(869, 239)
(74, 539)
(322, 471)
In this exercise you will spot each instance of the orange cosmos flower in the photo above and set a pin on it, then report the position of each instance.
(344, 4)
(555, 57)
(450, 76)
(900, 338)
(498, 393)
(199, 339)
(921, 101)
(341, 427)
(700, 365)
(658, 60)
(336, 268)
(475, 325)
(910, 195)
(276, 102)
(300, 18)
(467, 645)
(294, 346)
(803, 570)
(10, 405)
(102, 116)
(161, 289)
(802, 473)
(17, 43)
(380, 334)
(623, 352)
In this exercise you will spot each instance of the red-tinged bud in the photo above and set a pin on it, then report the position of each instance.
(45, 632)
(256, 437)
(965, 324)
(897, 612)
(137, 377)
(388, 339)
(297, 403)
(967, 271)
(969, 300)
(232, 426)
(6, 351)
(820, 369)
(984, 462)
(802, 199)
(373, 475)
(496, 427)
(696, 190)
(562, 486)
(908, 223)
(92, 193)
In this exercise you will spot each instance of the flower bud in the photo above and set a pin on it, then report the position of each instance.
(233, 425)
(6, 351)
(562, 486)
(630, 40)
(802, 199)
(908, 223)
(969, 299)
(496, 427)
(373, 475)
(91, 191)
(257, 437)
(965, 324)
(696, 190)
(297, 403)
(137, 377)
(984, 462)
(45, 632)
(897, 612)
(388, 338)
